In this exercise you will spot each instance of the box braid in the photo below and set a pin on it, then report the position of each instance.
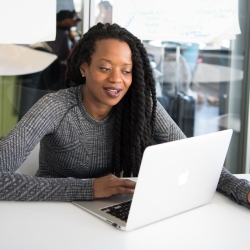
(135, 113)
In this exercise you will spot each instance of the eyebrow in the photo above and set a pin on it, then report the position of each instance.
(111, 61)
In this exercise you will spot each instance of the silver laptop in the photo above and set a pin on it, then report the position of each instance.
(174, 177)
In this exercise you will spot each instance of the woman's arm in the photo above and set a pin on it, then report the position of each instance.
(17, 187)
(234, 188)
(22, 139)
(42, 119)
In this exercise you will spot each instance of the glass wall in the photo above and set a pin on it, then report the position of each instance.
(203, 85)
(200, 84)
(19, 92)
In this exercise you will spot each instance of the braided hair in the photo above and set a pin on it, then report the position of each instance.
(135, 114)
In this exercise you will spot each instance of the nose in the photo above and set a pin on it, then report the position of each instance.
(115, 76)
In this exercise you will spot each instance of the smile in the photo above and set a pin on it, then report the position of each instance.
(113, 92)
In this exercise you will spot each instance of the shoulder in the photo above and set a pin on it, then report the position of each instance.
(165, 128)
(65, 98)
(162, 116)
(54, 106)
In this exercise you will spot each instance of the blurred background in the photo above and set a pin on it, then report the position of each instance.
(199, 53)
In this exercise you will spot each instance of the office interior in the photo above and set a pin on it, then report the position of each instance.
(203, 86)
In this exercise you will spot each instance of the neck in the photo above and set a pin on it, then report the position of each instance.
(97, 111)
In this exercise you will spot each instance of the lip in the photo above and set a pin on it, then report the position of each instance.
(113, 92)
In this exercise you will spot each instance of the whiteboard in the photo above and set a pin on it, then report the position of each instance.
(179, 20)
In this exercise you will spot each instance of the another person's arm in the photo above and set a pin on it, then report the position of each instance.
(234, 188)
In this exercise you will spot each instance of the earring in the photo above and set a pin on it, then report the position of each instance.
(82, 72)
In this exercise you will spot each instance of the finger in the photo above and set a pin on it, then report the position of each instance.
(126, 183)
(121, 190)
(114, 181)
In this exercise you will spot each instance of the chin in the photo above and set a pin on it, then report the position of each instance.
(112, 104)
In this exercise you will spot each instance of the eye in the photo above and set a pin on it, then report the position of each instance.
(104, 69)
(126, 72)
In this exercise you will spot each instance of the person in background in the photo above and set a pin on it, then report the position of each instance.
(65, 39)
(105, 12)
(34, 86)
(96, 130)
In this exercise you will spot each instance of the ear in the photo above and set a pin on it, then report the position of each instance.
(83, 67)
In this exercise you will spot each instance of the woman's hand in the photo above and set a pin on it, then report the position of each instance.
(110, 184)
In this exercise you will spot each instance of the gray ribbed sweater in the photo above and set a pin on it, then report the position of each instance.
(74, 149)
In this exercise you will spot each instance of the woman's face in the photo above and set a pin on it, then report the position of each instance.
(109, 75)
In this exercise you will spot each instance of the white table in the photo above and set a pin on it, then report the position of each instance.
(220, 225)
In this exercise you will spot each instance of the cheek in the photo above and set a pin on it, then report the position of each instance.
(95, 80)
(98, 78)
(128, 82)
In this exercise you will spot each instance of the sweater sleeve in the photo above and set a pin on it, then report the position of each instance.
(234, 188)
(231, 186)
(43, 118)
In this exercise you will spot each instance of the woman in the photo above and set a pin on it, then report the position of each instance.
(105, 12)
(97, 129)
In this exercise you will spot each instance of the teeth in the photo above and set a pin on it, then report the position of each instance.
(113, 90)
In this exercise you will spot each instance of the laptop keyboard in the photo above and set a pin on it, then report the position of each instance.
(120, 210)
